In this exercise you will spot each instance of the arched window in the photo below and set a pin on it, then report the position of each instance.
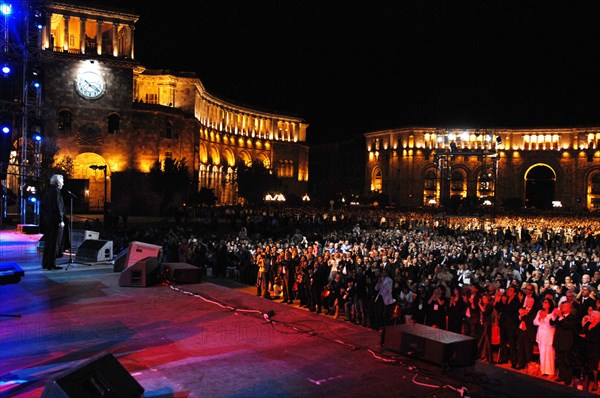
(485, 181)
(65, 119)
(114, 122)
(430, 191)
(457, 181)
(596, 184)
(168, 130)
(377, 180)
(430, 178)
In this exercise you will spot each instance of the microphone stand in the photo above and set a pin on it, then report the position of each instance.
(71, 196)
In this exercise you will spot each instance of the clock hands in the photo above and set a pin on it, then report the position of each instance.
(92, 85)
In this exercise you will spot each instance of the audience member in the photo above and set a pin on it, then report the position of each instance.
(590, 332)
(545, 337)
(566, 325)
(484, 344)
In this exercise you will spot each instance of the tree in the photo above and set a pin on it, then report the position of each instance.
(170, 181)
(49, 165)
(378, 199)
(255, 181)
(65, 166)
(206, 196)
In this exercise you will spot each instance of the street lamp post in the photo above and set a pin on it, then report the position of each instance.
(103, 168)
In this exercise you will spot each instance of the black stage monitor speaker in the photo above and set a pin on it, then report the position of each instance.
(101, 377)
(94, 251)
(144, 273)
(80, 235)
(182, 272)
(139, 250)
(431, 344)
(10, 273)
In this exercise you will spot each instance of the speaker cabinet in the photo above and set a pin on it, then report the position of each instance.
(94, 251)
(431, 344)
(10, 273)
(182, 273)
(137, 251)
(100, 377)
(80, 235)
(144, 273)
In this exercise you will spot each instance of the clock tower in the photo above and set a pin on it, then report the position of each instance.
(88, 64)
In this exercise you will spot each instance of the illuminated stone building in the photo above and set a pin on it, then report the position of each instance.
(500, 168)
(103, 108)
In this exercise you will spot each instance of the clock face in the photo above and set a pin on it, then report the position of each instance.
(90, 85)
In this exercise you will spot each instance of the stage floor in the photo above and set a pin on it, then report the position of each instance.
(209, 339)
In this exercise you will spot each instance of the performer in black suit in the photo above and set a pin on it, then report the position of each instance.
(52, 213)
(566, 328)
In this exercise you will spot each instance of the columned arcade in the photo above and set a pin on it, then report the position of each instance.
(537, 168)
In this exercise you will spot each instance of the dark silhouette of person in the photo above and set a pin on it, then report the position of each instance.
(52, 214)
(508, 308)
(566, 330)
(288, 276)
(526, 331)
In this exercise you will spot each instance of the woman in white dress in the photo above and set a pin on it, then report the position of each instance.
(545, 337)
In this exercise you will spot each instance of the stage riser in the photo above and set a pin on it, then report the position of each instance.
(28, 229)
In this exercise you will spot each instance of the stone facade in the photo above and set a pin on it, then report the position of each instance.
(499, 168)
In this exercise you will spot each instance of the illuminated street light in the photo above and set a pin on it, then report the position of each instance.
(277, 197)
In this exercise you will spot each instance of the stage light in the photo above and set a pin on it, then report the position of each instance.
(5, 8)
(37, 137)
(5, 129)
(31, 193)
(6, 70)
(36, 84)
(39, 19)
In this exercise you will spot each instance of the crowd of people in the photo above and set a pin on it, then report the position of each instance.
(525, 288)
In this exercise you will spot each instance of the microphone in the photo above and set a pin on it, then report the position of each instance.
(72, 194)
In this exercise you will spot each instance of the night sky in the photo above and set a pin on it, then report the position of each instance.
(352, 67)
